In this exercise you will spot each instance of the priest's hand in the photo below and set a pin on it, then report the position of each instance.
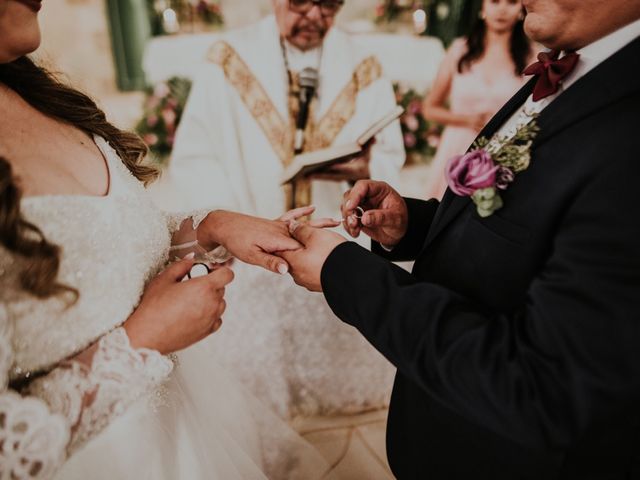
(355, 169)
(382, 212)
(306, 263)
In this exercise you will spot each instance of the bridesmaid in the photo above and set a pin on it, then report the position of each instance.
(478, 75)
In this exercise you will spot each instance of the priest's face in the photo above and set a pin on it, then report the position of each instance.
(19, 31)
(303, 30)
(573, 24)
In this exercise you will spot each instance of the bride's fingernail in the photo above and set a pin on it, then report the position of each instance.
(282, 269)
(190, 256)
(349, 204)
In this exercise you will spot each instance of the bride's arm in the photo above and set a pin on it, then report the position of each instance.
(48, 420)
(92, 388)
(59, 412)
(33, 440)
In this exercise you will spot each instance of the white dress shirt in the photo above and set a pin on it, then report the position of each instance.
(590, 57)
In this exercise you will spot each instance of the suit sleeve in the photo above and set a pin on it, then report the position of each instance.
(541, 375)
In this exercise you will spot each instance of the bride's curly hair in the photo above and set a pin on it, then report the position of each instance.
(43, 91)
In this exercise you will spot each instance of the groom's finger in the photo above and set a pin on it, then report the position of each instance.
(355, 197)
(381, 218)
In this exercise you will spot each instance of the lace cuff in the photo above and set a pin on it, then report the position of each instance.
(184, 238)
(90, 397)
(32, 440)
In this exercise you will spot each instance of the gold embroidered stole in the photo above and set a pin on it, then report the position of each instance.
(280, 133)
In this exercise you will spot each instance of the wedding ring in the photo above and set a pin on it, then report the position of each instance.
(359, 213)
(198, 270)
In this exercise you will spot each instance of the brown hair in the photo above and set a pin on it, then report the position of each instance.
(519, 46)
(45, 93)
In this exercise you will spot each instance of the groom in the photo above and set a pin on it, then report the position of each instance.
(517, 336)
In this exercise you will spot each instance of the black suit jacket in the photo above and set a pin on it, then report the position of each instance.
(517, 336)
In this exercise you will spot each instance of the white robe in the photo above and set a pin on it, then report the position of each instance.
(281, 340)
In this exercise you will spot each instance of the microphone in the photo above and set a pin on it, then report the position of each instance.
(308, 85)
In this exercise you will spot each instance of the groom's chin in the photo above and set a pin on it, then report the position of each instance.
(535, 28)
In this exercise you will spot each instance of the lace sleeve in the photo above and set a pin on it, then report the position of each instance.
(90, 394)
(184, 239)
(32, 439)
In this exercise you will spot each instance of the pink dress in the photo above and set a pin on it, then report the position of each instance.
(475, 91)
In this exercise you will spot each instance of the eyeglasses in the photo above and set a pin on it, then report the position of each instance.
(328, 8)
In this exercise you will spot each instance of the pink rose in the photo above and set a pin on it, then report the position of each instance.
(409, 140)
(169, 117)
(161, 90)
(152, 121)
(414, 107)
(470, 172)
(433, 139)
(150, 139)
(411, 122)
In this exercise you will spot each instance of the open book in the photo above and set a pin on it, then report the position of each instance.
(309, 162)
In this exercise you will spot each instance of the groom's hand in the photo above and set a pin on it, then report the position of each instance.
(386, 217)
(306, 263)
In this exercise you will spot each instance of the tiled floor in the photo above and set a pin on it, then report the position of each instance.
(354, 446)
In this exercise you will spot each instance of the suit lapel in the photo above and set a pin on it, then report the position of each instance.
(451, 204)
(612, 80)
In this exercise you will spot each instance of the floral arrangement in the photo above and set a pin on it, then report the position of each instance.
(421, 138)
(390, 10)
(162, 111)
(175, 16)
(490, 166)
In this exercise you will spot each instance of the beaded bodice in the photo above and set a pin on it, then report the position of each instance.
(125, 242)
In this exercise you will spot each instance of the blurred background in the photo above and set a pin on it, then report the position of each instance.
(136, 57)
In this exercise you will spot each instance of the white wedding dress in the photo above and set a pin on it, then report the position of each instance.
(129, 414)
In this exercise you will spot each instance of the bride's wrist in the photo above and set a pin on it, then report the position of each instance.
(209, 233)
(137, 338)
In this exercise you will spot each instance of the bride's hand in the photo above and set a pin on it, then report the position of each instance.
(298, 213)
(172, 314)
(250, 239)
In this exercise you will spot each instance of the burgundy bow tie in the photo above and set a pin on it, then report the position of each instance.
(551, 71)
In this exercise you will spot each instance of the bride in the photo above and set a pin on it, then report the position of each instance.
(86, 320)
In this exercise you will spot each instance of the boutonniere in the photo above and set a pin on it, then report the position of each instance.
(490, 166)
